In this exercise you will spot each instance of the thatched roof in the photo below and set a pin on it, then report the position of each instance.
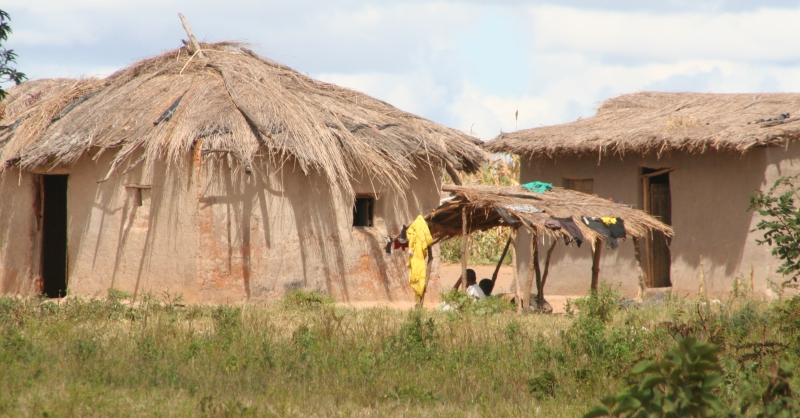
(656, 122)
(481, 203)
(230, 100)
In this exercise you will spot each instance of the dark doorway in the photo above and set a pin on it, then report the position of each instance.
(657, 202)
(54, 235)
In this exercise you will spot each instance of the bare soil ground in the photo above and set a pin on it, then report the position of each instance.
(451, 272)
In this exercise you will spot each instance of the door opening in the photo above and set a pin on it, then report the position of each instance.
(657, 202)
(54, 235)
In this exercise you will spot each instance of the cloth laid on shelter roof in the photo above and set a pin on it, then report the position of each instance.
(523, 208)
(572, 229)
(419, 239)
(598, 226)
(552, 224)
(538, 187)
(617, 229)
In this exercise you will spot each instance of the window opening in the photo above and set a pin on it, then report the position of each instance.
(363, 211)
(580, 185)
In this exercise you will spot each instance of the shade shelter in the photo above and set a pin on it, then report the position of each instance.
(478, 208)
(689, 159)
(212, 172)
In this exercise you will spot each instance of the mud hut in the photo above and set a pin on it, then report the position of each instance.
(689, 159)
(216, 174)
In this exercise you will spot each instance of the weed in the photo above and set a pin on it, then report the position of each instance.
(306, 300)
(116, 295)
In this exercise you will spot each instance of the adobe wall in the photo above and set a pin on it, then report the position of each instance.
(213, 236)
(264, 234)
(19, 233)
(710, 196)
(114, 242)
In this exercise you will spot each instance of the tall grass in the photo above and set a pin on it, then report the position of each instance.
(306, 357)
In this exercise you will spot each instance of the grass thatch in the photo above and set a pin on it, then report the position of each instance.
(480, 202)
(230, 100)
(656, 122)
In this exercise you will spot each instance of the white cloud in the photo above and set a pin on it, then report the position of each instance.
(461, 63)
(766, 34)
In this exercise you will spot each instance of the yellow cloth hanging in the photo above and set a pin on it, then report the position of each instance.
(609, 221)
(419, 239)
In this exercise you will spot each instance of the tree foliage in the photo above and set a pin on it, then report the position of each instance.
(781, 223)
(7, 56)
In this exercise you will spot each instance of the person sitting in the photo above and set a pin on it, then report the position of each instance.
(487, 285)
(472, 286)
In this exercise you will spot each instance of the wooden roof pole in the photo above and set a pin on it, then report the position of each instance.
(499, 263)
(192, 39)
(540, 290)
(598, 247)
(638, 255)
(464, 239)
(533, 270)
(514, 270)
(452, 172)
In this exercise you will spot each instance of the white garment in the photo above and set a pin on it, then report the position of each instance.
(476, 292)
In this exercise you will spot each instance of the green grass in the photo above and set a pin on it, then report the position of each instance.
(306, 357)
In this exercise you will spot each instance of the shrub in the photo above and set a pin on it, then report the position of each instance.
(781, 225)
(682, 384)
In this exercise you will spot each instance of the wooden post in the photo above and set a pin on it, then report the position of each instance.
(514, 269)
(500, 263)
(464, 239)
(192, 39)
(598, 247)
(428, 264)
(638, 255)
(533, 270)
(540, 289)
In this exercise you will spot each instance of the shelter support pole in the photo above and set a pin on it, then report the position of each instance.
(427, 275)
(598, 247)
(514, 269)
(464, 239)
(500, 263)
(638, 255)
(533, 270)
(540, 289)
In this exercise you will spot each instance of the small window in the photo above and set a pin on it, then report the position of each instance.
(580, 185)
(139, 195)
(363, 211)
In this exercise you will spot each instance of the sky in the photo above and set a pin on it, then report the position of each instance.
(467, 64)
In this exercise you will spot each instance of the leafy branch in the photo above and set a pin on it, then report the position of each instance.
(7, 57)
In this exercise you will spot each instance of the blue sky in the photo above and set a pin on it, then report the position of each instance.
(466, 64)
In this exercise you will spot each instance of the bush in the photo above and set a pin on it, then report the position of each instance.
(781, 224)
(680, 385)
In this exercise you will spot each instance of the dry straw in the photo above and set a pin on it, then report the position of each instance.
(231, 100)
(656, 122)
(481, 203)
